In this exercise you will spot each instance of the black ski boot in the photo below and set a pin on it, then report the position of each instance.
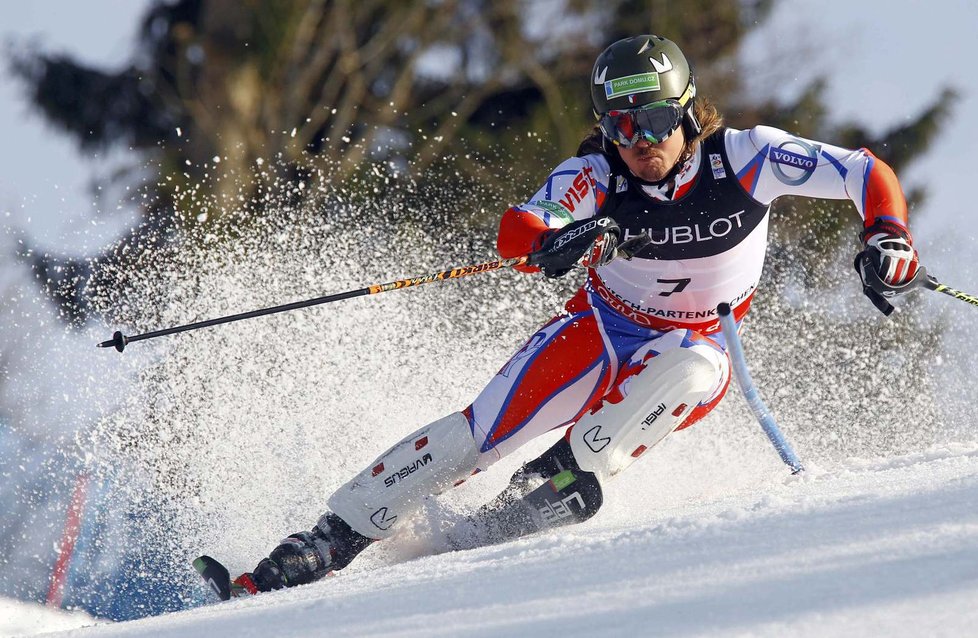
(549, 491)
(308, 556)
(535, 473)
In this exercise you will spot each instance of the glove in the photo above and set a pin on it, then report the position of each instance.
(888, 265)
(591, 242)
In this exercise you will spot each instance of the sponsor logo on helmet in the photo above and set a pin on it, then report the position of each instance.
(599, 76)
(638, 83)
(663, 66)
(794, 161)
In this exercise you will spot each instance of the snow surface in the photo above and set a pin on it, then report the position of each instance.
(865, 548)
(18, 618)
(225, 440)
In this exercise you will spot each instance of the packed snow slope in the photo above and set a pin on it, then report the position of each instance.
(18, 618)
(886, 547)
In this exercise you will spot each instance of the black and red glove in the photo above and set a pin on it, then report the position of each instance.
(888, 264)
(590, 242)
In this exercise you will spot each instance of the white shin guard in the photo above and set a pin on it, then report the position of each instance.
(656, 402)
(431, 460)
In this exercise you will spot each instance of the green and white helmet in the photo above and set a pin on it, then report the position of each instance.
(641, 71)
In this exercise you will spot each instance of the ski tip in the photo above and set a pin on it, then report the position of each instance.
(215, 575)
(200, 563)
(203, 563)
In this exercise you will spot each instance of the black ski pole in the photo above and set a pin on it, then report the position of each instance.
(119, 341)
(932, 284)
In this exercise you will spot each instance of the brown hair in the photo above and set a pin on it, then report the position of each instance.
(706, 114)
(710, 121)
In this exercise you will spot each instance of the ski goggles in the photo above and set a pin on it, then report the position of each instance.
(653, 122)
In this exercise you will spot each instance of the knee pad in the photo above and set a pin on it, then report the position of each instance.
(427, 462)
(647, 407)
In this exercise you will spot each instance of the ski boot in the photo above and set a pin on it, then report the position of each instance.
(549, 491)
(305, 557)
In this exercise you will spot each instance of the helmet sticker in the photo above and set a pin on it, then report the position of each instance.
(599, 77)
(638, 83)
(663, 66)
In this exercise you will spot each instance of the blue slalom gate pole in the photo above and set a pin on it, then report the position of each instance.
(736, 350)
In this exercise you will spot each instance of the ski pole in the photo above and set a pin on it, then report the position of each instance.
(119, 341)
(932, 284)
(763, 415)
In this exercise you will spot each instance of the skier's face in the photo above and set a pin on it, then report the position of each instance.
(652, 162)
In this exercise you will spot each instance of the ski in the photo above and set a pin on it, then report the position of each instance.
(218, 578)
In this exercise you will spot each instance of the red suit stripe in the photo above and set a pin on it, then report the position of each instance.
(565, 359)
(884, 197)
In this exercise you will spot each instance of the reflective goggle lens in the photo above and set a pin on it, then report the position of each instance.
(654, 122)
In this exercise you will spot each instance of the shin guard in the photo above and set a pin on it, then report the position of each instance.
(431, 460)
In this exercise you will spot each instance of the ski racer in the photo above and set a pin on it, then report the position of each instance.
(668, 210)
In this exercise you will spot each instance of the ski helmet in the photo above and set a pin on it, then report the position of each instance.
(641, 71)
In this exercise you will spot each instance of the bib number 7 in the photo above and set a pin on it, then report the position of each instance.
(679, 285)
